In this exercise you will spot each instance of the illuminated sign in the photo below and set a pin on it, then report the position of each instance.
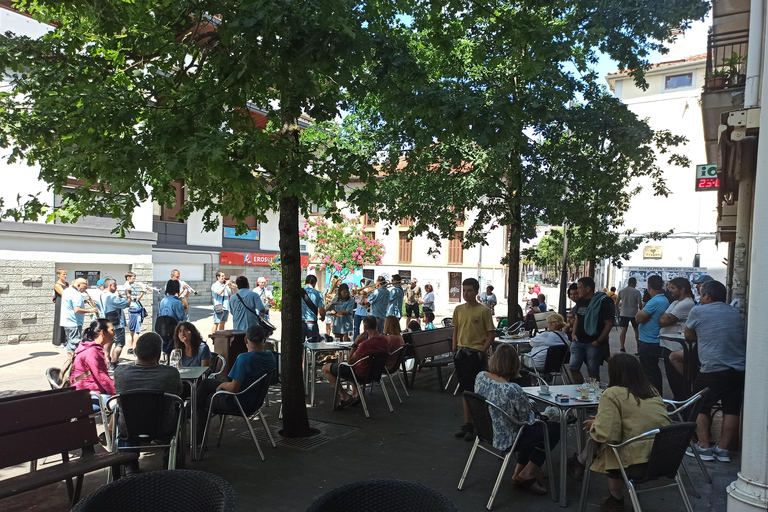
(706, 177)
(258, 259)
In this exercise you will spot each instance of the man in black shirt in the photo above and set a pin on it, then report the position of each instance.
(594, 319)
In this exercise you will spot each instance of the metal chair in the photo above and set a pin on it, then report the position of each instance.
(253, 397)
(554, 364)
(382, 495)
(378, 364)
(692, 407)
(400, 354)
(447, 322)
(479, 409)
(148, 415)
(215, 367)
(193, 491)
(667, 452)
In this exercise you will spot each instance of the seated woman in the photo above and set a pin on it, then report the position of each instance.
(89, 368)
(498, 385)
(193, 351)
(392, 330)
(552, 337)
(629, 407)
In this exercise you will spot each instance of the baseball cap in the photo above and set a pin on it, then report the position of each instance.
(100, 282)
(703, 279)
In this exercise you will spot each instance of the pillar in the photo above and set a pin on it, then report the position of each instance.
(740, 261)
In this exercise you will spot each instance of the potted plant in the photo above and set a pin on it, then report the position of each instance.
(715, 80)
(735, 64)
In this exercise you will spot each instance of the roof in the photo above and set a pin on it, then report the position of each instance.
(693, 58)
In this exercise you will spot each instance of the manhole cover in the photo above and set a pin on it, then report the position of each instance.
(328, 432)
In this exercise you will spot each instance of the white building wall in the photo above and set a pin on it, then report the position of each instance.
(270, 232)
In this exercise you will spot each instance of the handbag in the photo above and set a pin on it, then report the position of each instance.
(218, 308)
(263, 323)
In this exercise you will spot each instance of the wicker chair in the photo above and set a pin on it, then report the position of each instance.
(191, 491)
(382, 495)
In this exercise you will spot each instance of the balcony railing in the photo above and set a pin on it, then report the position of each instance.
(726, 60)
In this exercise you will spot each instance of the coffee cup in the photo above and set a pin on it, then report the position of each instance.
(544, 389)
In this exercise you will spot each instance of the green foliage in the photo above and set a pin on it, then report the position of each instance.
(277, 296)
(341, 247)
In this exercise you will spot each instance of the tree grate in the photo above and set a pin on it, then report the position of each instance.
(328, 432)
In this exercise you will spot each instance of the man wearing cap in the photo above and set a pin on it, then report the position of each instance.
(97, 297)
(698, 282)
(412, 296)
(264, 295)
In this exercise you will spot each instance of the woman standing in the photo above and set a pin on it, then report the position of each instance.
(343, 309)
(428, 301)
(59, 286)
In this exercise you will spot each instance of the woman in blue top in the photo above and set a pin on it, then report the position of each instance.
(344, 306)
(193, 351)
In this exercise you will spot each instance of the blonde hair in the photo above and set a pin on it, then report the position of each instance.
(556, 320)
(61, 271)
(505, 363)
(391, 325)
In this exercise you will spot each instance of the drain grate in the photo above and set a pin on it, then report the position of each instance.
(328, 432)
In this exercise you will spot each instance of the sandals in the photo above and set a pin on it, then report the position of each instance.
(528, 484)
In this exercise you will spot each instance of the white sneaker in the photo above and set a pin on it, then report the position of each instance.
(704, 453)
(721, 454)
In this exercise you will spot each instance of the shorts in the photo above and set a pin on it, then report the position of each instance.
(624, 321)
(586, 353)
(726, 386)
(119, 340)
(134, 320)
(412, 311)
(468, 364)
(310, 330)
(346, 371)
(73, 335)
(217, 319)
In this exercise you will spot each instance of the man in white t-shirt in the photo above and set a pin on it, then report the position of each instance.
(628, 303)
(673, 322)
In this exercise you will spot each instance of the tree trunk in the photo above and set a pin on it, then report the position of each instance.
(514, 182)
(295, 421)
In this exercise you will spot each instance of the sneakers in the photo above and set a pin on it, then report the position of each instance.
(704, 453)
(574, 468)
(721, 454)
(465, 429)
(112, 366)
(470, 437)
(612, 504)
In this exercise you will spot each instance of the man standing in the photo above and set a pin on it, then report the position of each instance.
(670, 323)
(135, 310)
(245, 305)
(473, 335)
(97, 298)
(73, 313)
(264, 295)
(185, 290)
(361, 311)
(629, 302)
(220, 292)
(113, 305)
(412, 296)
(719, 331)
(379, 301)
(591, 328)
(148, 374)
(395, 307)
(312, 308)
(648, 348)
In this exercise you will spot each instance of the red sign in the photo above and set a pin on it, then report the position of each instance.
(258, 259)
(707, 184)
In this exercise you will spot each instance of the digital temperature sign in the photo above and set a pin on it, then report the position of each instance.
(706, 177)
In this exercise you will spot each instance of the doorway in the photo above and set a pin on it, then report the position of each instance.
(454, 286)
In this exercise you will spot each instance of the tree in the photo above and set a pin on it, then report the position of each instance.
(463, 127)
(130, 96)
(341, 247)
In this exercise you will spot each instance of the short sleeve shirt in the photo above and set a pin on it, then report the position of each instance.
(606, 313)
(250, 366)
(369, 347)
(203, 354)
(720, 333)
(222, 299)
(112, 302)
(412, 295)
(379, 300)
(472, 325)
(679, 309)
(630, 298)
(71, 299)
(307, 315)
(649, 331)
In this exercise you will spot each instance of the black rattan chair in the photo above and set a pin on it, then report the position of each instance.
(164, 326)
(481, 416)
(375, 371)
(554, 364)
(382, 495)
(190, 491)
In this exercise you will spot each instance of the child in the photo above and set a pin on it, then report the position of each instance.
(414, 326)
(429, 317)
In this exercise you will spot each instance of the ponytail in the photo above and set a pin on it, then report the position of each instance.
(92, 331)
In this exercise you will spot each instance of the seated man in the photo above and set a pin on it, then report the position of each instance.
(719, 331)
(147, 374)
(248, 368)
(374, 344)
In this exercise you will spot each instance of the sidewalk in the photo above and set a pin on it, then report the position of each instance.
(414, 443)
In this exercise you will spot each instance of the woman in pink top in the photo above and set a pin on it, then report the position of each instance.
(392, 330)
(89, 369)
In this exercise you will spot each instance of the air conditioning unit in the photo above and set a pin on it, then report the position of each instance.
(303, 247)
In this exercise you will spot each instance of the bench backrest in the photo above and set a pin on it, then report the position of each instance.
(430, 343)
(541, 319)
(37, 425)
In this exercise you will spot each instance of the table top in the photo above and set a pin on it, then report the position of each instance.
(675, 337)
(192, 372)
(504, 339)
(344, 345)
(572, 390)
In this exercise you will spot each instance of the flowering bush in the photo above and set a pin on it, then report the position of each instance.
(341, 248)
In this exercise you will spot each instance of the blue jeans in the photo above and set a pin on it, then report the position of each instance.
(358, 321)
(586, 353)
(73, 336)
(380, 325)
(649, 354)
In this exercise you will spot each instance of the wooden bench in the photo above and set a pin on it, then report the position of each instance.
(37, 425)
(426, 347)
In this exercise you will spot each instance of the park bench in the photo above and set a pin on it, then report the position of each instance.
(38, 425)
(430, 349)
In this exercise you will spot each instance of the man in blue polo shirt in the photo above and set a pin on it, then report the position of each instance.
(649, 349)
(379, 301)
(309, 315)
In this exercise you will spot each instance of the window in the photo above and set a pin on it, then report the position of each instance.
(316, 209)
(405, 247)
(405, 275)
(371, 234)
(406, 222)
(230, 222)
(678, 81)
(169, 214)
(455, 250)
(368, 222)
(368, 273)
(458, 220)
